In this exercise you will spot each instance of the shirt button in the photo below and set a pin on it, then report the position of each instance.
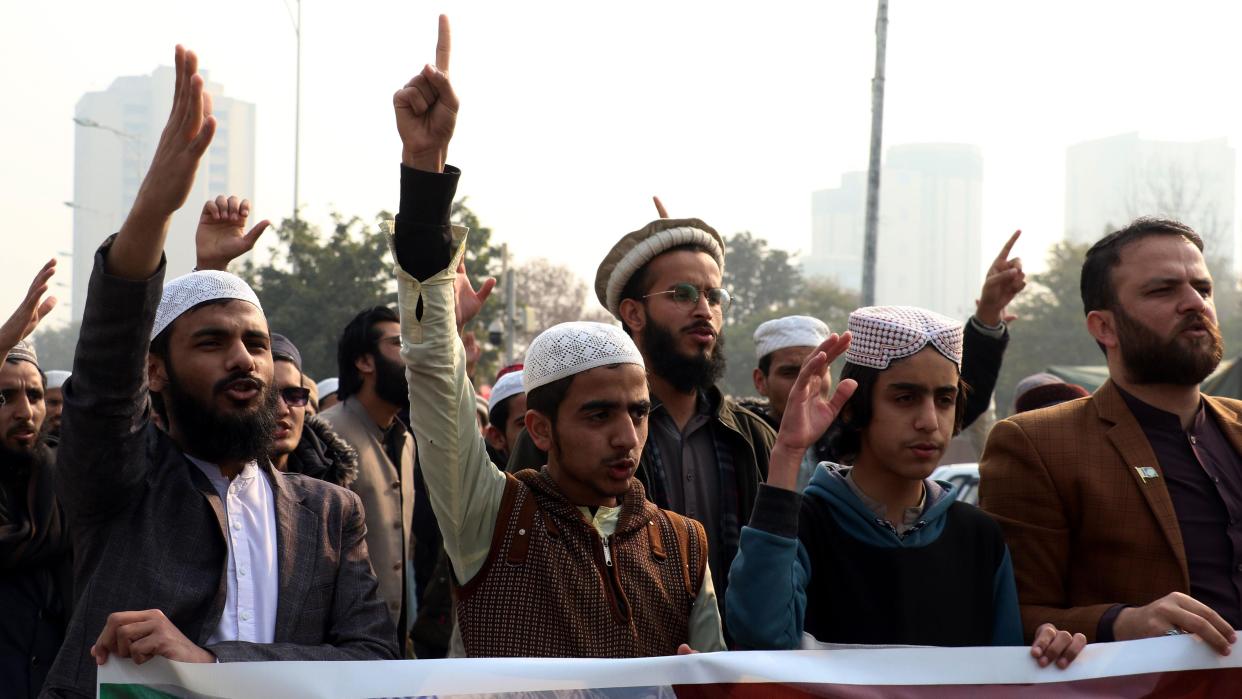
(241, 572)
(396, 567)
(396, 486)
(1193, 440)
(236, 525)
(245, 616)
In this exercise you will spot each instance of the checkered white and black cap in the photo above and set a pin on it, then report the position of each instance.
(187, 291)
(883, 334)
(572, 348)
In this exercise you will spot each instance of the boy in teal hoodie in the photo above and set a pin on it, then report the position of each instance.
(878, 553)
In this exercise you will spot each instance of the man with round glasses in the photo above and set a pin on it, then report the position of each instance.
(705, 456)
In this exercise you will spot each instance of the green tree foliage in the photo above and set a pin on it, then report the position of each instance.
(761, 279)
(315, 284)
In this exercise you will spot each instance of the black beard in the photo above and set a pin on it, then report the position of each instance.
(1151, 360)
(217, 437)
(21, 462)
(390, 382)
(685, 374)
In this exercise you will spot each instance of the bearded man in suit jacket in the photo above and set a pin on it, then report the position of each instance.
(188, 545)
(1123, 510)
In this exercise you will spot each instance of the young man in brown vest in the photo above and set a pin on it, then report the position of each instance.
(571, 560)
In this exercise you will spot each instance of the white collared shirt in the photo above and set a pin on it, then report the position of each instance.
(252, 578)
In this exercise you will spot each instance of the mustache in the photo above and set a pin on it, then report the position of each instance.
(699, 325)
(239, 379)
(1198, 319)
(23, 426)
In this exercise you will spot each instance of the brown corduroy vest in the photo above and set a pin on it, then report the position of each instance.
(548, 589)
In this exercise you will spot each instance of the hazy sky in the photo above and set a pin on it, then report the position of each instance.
(573, 114)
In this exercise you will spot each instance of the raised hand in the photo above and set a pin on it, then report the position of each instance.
(663, 213)
(809, 412)
(1004, 280)
(469, 301)
(221, 236)
(139, 246)
(427, 110)
(29, 312)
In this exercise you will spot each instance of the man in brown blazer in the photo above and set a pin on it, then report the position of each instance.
(1123, 510)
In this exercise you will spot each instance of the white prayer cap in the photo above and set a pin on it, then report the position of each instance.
(572, 348)
(883, 334)
(327, 387)
(505, 387)
(56, 378)
(187, 291)
(642, 246)
(790, 331)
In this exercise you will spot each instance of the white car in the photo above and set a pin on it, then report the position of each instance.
(964, 476)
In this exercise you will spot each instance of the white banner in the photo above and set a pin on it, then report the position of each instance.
(1176, 666)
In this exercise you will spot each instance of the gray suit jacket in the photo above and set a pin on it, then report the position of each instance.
(148, 528)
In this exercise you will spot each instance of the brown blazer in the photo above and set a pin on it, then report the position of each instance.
(1085, 529)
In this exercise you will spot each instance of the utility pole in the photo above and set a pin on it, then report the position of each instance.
(873, 167)
(297, 114)
(510, 305)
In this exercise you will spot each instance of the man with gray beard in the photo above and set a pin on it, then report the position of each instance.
(1123, 510)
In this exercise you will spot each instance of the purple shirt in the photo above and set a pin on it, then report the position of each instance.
(1204, 476)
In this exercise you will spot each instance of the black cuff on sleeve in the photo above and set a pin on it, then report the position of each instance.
(422, 237)
(777, 511)
(1104, 629)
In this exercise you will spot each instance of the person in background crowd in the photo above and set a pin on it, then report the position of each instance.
(304, 443)
(312, 391)
(328, 396)
(781, 347)
(506, 412)
(1124, 510)
(372, 392)
(54, 399)
(187, 544)
(1044, 390)
(36, 586)
(878, 553)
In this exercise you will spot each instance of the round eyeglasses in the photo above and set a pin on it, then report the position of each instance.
(687, 295)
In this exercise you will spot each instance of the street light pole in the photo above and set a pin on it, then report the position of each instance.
(870, 233)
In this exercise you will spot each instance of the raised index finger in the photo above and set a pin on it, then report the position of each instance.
(1004, 253)
(444, 45)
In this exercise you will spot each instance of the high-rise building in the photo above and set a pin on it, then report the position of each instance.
(930, 228)
(116, 135)
(1111, 181)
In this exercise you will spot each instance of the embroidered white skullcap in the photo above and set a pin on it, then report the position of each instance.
(572, 348)
(790, 331)
(642, 246)
(883, 334)
(56, 378)
(187, 291)
(506, 387)
(328, 386)
(23, 351)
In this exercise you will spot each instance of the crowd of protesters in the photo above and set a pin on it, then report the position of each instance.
(188, 492)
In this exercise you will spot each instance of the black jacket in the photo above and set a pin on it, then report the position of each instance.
(322, 454)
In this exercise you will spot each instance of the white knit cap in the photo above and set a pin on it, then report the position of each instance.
(883, 334)
(790, 331)
(186, 292)
(642, 246)
(328, 386)
(56, 378)
(572, 348)
(505, 387)
(23, 351)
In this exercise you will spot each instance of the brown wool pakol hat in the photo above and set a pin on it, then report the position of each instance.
(884, 334)
(645, 244)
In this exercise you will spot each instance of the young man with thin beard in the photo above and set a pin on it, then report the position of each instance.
(36, 586)
(1124, 510)
(373, 392)
(187, 544)
(576, 545)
